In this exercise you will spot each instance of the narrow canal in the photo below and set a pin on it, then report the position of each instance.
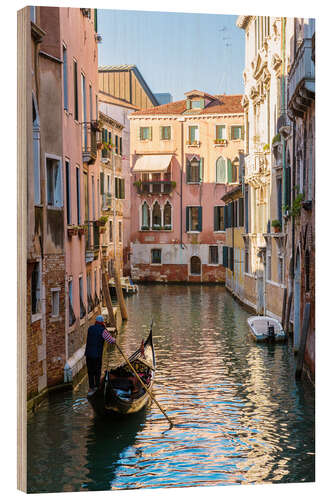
(241, 417)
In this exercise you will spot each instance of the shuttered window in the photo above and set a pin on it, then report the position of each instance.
(156, 256)
(76, 99)
(231, 259)
(165, 133)
(213, 254)
(241, 212)
(221, 176)
(145, 133)
(194, 170)
(219, 218)
(193, 218)
(220, 132)
(225, 254)
(229, 170)
(237, 132)
(65, 78)
(193, 134)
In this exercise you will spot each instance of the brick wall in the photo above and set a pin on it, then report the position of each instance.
(177, 272)
(34, 337)
(54, 277)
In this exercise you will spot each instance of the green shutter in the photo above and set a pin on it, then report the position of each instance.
(187, 219)
(200, 219)
(140, 133)
(202, 103)
(216, 218)
(95, 20)
(229, 179)
(188, 104)
(188, 172)
(123, 188)
(242, 132)
(161, 133)
(102, 182)
(230, 133)
(201, 170)
(225, 257)
(150, 133)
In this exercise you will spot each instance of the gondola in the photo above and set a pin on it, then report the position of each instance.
(120, 392)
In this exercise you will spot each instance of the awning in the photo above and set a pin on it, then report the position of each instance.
(152, 163)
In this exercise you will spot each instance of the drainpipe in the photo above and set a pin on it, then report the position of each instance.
(284, 183)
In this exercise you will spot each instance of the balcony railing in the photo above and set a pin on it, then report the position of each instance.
(90, 137)
(155, 187)
(257, 163)
(301, 81)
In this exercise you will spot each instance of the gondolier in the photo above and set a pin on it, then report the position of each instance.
(97, 333)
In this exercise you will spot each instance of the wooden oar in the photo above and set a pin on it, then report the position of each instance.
(143, 384)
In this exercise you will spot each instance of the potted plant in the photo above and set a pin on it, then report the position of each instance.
(266, 148)
(72, 230)
(144, 228)
(103, 220)
(82, 229)
(102, 229)
(276, 224)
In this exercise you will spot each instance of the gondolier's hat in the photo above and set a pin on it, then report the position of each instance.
(99, 319)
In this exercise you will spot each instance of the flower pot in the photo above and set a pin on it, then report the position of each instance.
(102, 229)
(277, 229)
(72, 231)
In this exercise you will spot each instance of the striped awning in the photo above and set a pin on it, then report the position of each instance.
(152, 163)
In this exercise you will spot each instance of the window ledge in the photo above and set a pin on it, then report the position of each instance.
(36, 317)
(220, 232)
(213, 265)
(193, 232)
(194, 182)
(249, 275)
(275, 283)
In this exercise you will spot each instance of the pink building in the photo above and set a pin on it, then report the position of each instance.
(184, 157)
(78, 39)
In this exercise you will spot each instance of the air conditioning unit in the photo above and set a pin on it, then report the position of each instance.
(98, 38)
(85, 12)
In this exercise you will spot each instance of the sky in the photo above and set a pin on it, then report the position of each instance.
(175, 52)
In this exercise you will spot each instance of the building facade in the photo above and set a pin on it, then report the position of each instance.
(184, 157)
(119, 110)
(112, 193)
(264, 238)
(300, 195)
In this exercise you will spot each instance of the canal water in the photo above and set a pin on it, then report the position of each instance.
(240, 416)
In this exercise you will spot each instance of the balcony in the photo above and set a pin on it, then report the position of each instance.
(301, 81)
(155, 187)
(257, 165)
(90, 138)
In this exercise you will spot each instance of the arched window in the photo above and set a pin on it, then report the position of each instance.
(145, 222)
(167, 216)
(157, 216)
(221, 173)
(195, 265)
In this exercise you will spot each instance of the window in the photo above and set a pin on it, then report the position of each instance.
(167, 216)
(90, 103)
(165, 133)
(110, 230)
(213, 254)
(236, 132)
(54, 184)
(55, 294)
(36, 288)
(194, 170)
(280, 270)
(246, 202)
(145, 221)
(93, 196)
(279, 199)
(89, 295)
(68, 192)
(65, 77)
(78, 195)
(36, 150)
(193, 219)
(120, 145)
(219, 219)
(117, 152)
(307, 271)
(220, 132)
(157, 216)
(221, 172)
(82, 306)
(193, 134)
(241, 212)
(269, 267)
(120, 188)
(145, 133)
(156, 256)
(232, 172)
(195, 265)
(71, 317)
(84, 111)
(120, 232)
(246, 266)
(76, 98)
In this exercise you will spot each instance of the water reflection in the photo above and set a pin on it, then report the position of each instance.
(240, 416)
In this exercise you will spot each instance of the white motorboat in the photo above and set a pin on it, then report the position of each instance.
(266, 329)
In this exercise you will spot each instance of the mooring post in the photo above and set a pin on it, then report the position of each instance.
(119, 291)
(284, 307)
(286, 326)
(107, 297)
